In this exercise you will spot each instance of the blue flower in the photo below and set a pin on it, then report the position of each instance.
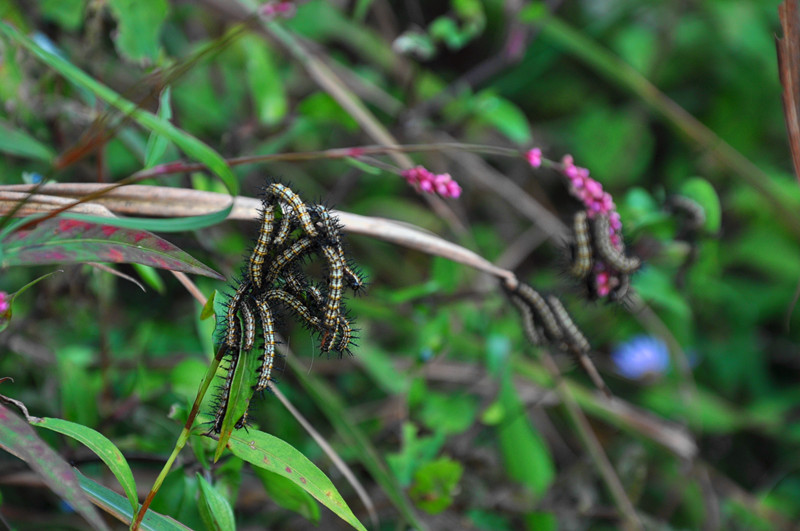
(641, 356)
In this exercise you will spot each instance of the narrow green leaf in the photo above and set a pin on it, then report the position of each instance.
(19, 143)
(151, 277)
(240, 393)
(159, 224)
(157, 144)
(18, 438)
(526, 456)
(208, 307)
(193, 147)
(270, 453)
(117, 506)
(214, 508)
(101, 446)
(66, 240)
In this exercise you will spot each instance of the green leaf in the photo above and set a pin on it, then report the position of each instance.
(264, 81)
(157, 144)
(525, 454)
(214, 508)
(208, 307)
(64, 239)
(138, 26)
(270, 453)
(449, 413)
(151, 277)
(19, 143)
(117, 506)
(18, 438)
(288, 495)
(193, 147)
(504, 116)
(435, 484)
(66, 13)
(101, 446)
(239, 395)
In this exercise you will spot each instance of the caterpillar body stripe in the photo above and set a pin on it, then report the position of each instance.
(582, 253)
(295, 305)
(268, 358)
(224, 393)
(528, 321)
(346, 335)
(610, 254)
(541, 310)
(261, 247)
(287, 257)
(327, 341)
(573, 335)
(248, 325)
(232, 334)
(299, 210)
(335, 274)
(328, 224)
(579, 345)
(285, 227)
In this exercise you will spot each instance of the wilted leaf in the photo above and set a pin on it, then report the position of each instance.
(61, 240)
(18, 438)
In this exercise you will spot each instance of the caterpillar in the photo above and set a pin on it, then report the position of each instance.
(610, 254)
(528, 321)
(295, 305)
(329, 226)
(582, 253)
(347, 335)
(540, 308)
(299, 210)
(573, 335)
(579, 345)
(335, 274)
(232, 335)
(352, 277)
(249, 326)
(224, 394)
(620, 292)
(260, 248)
(287, 257)
(285, 227)
(268, 358)
(695, 213)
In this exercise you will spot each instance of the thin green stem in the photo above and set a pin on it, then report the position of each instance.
(182, 438)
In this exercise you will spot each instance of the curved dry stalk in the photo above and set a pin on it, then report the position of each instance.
(176, 202)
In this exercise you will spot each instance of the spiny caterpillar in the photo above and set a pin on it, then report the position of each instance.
(557, 326)
(610, 254)
(582, 253)
(290, 234)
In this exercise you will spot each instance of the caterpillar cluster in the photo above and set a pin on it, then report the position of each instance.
(547, 322)
(596, 255)
(275, 283)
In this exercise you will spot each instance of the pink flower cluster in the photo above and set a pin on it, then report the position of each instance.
(5, 302)
(427, 181)
(591, 194)
(274, 9)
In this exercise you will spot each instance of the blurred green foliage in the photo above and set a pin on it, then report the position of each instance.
(429, 413)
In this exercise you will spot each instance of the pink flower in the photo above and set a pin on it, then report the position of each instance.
(534, 157)
(5, 302)
(283, 8)
(426, 181)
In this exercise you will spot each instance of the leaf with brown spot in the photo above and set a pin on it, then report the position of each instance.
(270, 453)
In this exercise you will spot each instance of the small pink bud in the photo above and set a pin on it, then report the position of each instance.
(567, 161)
(534, 157)
(426, 186)
(454, 189)
(594, 188)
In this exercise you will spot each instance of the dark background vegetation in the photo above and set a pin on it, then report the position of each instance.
(429, 392)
